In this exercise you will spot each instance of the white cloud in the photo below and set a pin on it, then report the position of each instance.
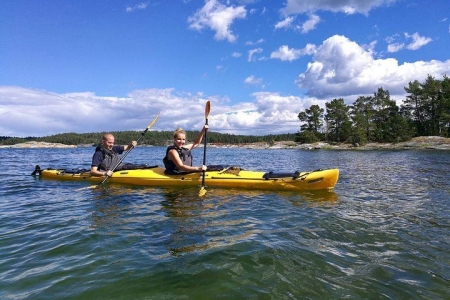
(344, 6)
(252, 80)
(343, 68)
(218, 18)
(48, 113)
(391, 39)
(418, 41)
(370, 47)
(253, 52)
(310, 24)
(286, 23)
(265, 115)
(286, 54)
(236, 54)
(307, 26)
(263, 10)
(395, 47)
(138, 6)
(250, 43)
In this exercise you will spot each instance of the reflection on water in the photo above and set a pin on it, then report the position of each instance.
(193, 219)
(316, 198)
(119, 207)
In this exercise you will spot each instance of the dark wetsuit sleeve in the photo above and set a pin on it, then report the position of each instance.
(97, 158)
(118, 149)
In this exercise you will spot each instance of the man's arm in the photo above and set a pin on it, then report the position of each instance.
(130, 146)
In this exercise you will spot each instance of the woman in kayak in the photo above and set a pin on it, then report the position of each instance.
(178, 159)
(106, 156)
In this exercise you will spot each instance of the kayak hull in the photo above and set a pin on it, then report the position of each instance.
(155, 177)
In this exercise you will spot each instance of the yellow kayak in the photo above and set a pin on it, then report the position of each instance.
(231, 177)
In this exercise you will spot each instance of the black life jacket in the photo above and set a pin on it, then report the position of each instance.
(185, 156)
(110, 158)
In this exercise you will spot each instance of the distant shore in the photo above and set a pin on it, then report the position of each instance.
(34, 144)
(425, 142)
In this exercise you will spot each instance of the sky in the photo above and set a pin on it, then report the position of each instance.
(109, 65)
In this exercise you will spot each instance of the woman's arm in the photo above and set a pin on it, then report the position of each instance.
(199, 139)
(173, 156)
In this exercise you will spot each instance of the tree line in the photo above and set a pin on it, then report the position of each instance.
(155, 138)
(377, 118)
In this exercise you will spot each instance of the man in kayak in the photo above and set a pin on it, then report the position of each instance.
(178, 159)
(106, 156)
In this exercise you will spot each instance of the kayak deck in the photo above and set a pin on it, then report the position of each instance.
(232, 177)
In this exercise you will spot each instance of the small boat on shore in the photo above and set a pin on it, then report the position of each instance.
(227, 177)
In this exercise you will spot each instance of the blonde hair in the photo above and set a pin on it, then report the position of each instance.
(178, 131)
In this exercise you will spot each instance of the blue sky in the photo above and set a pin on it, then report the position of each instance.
(91, 66)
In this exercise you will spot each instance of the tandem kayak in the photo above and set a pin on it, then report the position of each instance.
(227, 177)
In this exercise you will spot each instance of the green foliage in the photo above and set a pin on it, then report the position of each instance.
(155, 138)
(427, 106)
(313, 118)
(7, 140)
(425, 112)
(307, 137)
(338, 121)
(361, 114)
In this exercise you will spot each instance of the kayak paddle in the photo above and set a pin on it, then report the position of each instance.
(207, 110)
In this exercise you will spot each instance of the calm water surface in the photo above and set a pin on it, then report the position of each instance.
(382, 234)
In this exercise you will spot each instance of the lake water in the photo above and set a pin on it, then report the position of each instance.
(382, 234)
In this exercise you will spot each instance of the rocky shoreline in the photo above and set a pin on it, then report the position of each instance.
(426, 142)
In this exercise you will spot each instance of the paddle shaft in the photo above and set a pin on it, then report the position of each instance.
(207, 110)
(128, 150)
(204, 153)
